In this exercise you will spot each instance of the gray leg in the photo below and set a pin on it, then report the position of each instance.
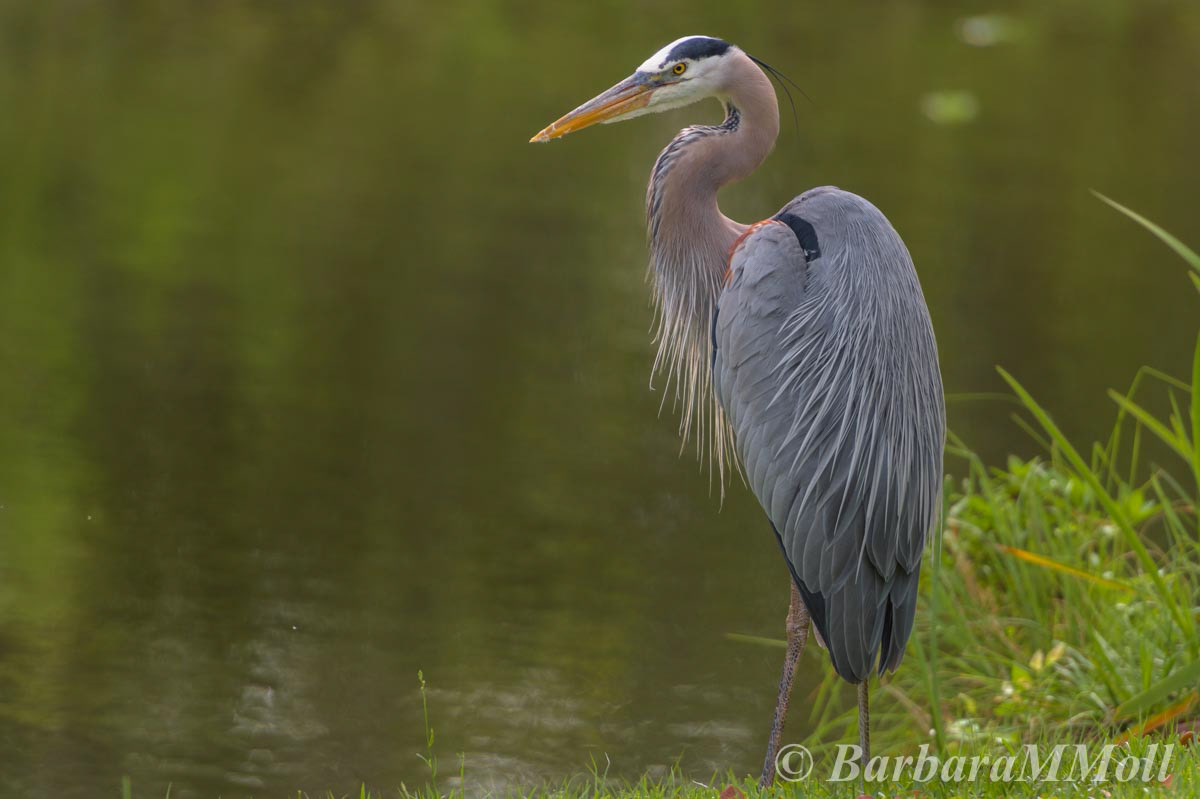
(797, 635)
(864, 724)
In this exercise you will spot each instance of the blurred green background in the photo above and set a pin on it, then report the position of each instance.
(315, 373)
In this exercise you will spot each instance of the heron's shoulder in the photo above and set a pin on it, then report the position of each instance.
(826, 203)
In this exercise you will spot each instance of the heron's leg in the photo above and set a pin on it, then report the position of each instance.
(797, 634)
(864, 724)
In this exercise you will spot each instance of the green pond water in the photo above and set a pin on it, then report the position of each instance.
(314, 373)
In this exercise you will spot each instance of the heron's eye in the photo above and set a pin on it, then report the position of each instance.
(679, 68)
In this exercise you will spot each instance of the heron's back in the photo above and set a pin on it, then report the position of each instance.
(826, 365)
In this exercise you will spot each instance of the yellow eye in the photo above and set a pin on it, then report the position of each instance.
(679, 68)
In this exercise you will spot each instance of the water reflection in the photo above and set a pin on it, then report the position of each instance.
(316, 374)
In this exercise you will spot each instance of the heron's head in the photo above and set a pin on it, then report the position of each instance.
(686, 70)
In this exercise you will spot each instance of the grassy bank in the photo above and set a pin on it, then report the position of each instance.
(1185, 782)
(1063, 600)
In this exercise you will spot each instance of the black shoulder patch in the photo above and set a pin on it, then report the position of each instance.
(806, 234)
(696, 48)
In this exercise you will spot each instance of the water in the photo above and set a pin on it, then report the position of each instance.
(317, 374)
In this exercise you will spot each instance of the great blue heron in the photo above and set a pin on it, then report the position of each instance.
(804, 341)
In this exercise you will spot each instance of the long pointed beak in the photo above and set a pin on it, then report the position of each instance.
(628, 95)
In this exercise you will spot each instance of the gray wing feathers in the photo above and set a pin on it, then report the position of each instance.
(826, 366)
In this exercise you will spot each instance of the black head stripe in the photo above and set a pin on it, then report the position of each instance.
(806, 234)
(696, 48)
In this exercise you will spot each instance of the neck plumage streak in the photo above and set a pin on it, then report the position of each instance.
(684, 293)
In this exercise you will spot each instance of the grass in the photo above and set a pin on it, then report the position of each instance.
(1184, 781)
(1063, 598)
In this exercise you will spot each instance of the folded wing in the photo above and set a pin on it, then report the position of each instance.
(826, 365)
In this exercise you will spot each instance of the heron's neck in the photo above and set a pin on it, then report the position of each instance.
(690, 238)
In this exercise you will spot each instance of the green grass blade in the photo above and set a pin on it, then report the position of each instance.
(1186, 677)
(1178, 425)
(1196, 413)
(1153, 425)
(1164, 378)
(1186, 253)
